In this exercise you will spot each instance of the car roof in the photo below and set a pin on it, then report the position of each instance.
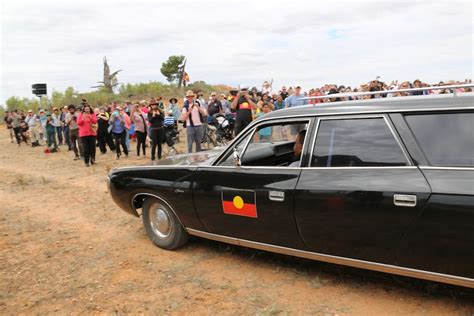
(381, 105)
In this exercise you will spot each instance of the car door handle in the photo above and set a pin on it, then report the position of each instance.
(405, 200)
(277, 196)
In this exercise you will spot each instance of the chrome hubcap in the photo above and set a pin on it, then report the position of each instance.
(160, 221)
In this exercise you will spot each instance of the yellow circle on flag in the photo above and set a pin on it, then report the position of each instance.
(238, 202)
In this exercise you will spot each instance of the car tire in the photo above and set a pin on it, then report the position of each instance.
(162, 226)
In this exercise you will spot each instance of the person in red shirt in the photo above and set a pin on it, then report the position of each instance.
(87, 123)
(315, 93)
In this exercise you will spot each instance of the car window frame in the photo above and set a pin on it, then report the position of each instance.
(426, 164)
(388, 123)
(275, 121)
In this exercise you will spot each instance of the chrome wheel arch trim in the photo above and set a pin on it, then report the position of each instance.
(368, 265)
(160, 199)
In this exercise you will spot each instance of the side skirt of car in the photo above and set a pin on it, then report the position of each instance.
(426, 275)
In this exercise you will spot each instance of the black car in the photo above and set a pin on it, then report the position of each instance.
(382, 184)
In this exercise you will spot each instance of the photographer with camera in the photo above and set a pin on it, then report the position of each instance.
(118, 123)
(157, 133)
(87, 123)
(243, 105)
(71, 122)
(194, 115)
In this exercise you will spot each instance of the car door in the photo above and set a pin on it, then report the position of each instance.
(361, 191)
(253, 201)
(442, 238)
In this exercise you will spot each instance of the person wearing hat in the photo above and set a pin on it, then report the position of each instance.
(157, 133)
(193, 114)
(51, 133)
(173, 106)
(243, 105)
(42, 120)
(33, 123)
(214, 106)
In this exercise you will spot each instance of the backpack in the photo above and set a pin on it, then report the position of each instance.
(186, 106)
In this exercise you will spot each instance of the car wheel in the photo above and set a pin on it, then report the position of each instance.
(162, 225)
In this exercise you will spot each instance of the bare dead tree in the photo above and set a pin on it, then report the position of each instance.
(110, 80)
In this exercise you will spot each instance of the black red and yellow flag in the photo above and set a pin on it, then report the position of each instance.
(239, 202)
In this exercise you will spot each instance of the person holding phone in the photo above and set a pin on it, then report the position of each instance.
(156, 118)
(118, 128)
(243, 105)
(139, 121)
(87, 123)
(194, 115)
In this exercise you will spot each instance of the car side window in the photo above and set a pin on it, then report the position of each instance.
(239, 147)
(276, 145)
(446, 139)
(361, 142)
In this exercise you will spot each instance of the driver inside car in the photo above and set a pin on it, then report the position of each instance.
(298, 148)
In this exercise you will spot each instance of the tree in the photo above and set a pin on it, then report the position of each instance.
(170, 69)
(15, 103)
(110, 80)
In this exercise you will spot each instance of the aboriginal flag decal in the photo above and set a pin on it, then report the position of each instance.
(239, 202)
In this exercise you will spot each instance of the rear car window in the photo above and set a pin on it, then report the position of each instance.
(365, 142)
(446, 139)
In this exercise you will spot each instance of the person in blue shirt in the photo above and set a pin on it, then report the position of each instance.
(295, 99)
(265, 134)
(169, 119)
(279, 103)
(173, 106)
(119, 131)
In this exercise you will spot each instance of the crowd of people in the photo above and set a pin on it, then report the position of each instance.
(82, 129)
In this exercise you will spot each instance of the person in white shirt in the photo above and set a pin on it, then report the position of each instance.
(33, 123)
(194, 115)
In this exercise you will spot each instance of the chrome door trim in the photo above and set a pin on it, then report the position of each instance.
(446, 168)
(315, 168)
(386, 268)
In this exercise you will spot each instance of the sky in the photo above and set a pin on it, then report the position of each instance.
(307, 43)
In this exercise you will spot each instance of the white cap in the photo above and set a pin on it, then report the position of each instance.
(244, 86)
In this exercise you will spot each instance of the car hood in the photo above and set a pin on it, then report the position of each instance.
(202, 158)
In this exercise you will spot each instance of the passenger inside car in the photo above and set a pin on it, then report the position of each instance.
(298, 148)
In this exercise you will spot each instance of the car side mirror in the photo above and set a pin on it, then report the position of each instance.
(237, 161)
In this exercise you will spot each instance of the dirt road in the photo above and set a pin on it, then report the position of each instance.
(65, 248)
